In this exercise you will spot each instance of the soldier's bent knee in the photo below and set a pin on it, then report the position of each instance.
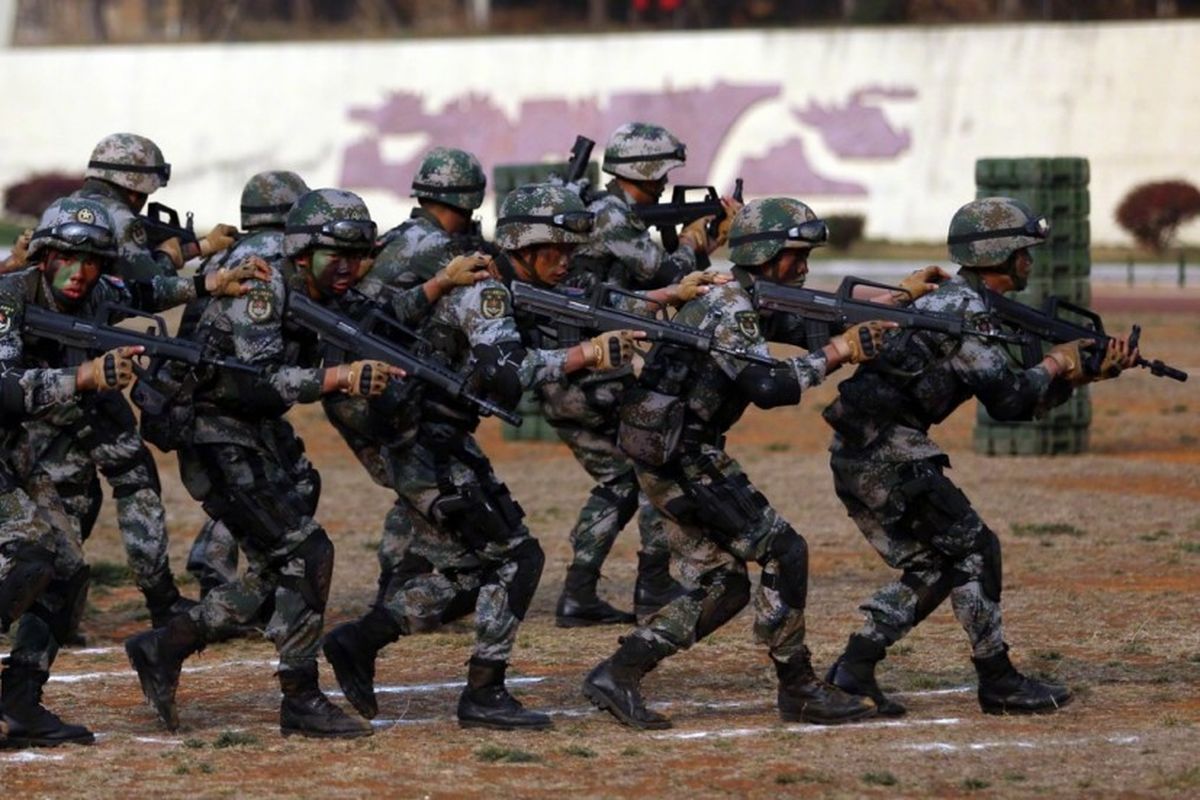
(790, 552)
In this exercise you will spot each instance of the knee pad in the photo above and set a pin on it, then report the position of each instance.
(72, 594)
(529, 559)
(622, 493)
(992, 578)
(30, 574)
(720, 603)
(390, 580)
(264, 516)
(313, 585)
(130, 475)
(790, 552)
(929, 595)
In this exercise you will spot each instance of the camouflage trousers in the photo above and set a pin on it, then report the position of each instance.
(465, 540)
(924, 526)
(612, 501)
(717, 522)
(31, 513)
(254, 493)
(103, 435)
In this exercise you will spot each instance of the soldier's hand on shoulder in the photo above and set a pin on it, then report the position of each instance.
(217, 239)
(464, 270)
(697, 283)
(920, 283)
(235, 281)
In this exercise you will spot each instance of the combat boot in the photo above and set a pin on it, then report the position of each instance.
(486, 703)
(351, 649)
(157, 657)
(1003, 690)
(615, 685)
(27, 721)
(579, 606)
(803, 697)
(164, 601)
(305, 709)
(854, 673)
(655, 587)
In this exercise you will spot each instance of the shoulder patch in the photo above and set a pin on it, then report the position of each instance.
(747, 322)
(493, 302)
(260, 304)
(6, 315)
(137, 232)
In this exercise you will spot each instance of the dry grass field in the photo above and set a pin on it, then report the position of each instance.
(1102, 591)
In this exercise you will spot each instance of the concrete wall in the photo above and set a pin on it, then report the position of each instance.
(886, 122)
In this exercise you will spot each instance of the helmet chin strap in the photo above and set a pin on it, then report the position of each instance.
(533, 278)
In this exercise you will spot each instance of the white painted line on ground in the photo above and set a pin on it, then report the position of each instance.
(28, 755)
(935, 692)
(800, 728)
(129, 673)
(157, 740)
(1020, 744)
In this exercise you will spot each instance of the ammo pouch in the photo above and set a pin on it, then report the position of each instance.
(167, 409)
(650, 426)
(726, 506)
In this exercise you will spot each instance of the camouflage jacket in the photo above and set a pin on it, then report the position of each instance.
(708, 382)
(884, 411)
(621, 251)
(412, 253)
(135, 261)
(265, 243)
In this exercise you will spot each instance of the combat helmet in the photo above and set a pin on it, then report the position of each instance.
(450, 176)
(985, 232)
(542, 213)
(332, 218)
(131, 161)
(764, 227)
(268, 196)
(642, 152)
(76, 225)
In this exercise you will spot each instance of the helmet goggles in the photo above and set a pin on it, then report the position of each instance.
(812, 233)
(1034, 227)
(349, 232)
(573, 221)
(78, 234)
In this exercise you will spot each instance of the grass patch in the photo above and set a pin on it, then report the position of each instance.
(194, 744)
(1154, 536)
(111, 573)
(975, 784)
(579, 751)
(882, 778)
(791, 778)
(1015, 777)
(1190, 547)
(1048, 655)
(1184, 779)
(234, 739)
(1044, 529)
(634, 752)
(495, 754)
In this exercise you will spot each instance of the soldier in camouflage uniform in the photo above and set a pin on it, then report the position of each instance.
(467, 526)
(123, 170)
(238, 461)
(71, 249)
(266, 199)
(890, 474)
(583, 409)
(673, 424)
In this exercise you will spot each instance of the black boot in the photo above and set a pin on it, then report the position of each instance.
(164, 601)
(655, 587)
(805, 698)
(157, 657)
(854, 673)
(351, 650)
(615, 685)
(28, 722)
(1003, 690)
(485, 703)
(578, 605)
(305, 709)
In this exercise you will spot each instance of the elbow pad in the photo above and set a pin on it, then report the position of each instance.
(768, 387)
(497, 368)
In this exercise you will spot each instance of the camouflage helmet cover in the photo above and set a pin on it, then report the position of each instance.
(450, 176)
(328, 218)
(643, 152)
(75, 225)
(131, 161)
(762, 228)
(268, 196)
(985, 232)
(542, 213)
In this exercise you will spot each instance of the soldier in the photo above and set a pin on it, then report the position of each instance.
(583, 409)
(673, 424)
(890, 474)
(72, 249)
(266, 199)
(467, 525)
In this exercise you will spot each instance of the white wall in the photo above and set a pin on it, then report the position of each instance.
(888, 122)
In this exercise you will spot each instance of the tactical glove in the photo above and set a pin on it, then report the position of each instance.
(229, 281)
(731, 209)
(920, 283)
(695, 235)
(19, 253)
(1117, 358)
(694, 284)
(1070, 360)
(220, 237)
(861, 342)
(108, 371)
(463, 270)
(367, 378)
(173, 250)
(613, 349)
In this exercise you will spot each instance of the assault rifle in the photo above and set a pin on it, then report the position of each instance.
(162, 222)
(828, 313)
(1045, 325)
(360, 338)
(575, 315)
(581, 156)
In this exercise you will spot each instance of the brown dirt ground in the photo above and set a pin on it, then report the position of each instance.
(1111, 610)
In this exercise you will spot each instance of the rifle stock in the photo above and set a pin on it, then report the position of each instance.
(162, 222)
